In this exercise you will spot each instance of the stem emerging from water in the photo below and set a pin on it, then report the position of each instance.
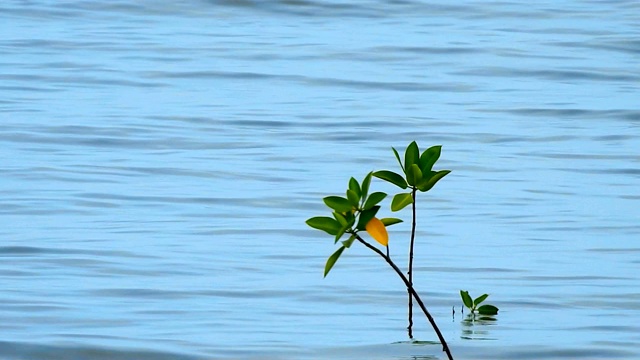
(413, 293)
(410, 271)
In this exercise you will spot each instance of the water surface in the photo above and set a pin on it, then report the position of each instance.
(159, 159)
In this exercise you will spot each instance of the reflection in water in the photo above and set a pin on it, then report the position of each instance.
(401, 350)
(420, 343)
(476, 327)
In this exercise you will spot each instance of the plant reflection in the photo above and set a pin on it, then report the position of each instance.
(476, 327)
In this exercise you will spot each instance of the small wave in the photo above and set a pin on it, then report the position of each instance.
(555, 75)
(621, 114)
(318, 81)
(33, 250)
(22, 250)
(26, 351)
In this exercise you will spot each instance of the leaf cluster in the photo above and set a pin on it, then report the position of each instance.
(473, 304)
(417, 173)
(352, 213)
(357, 209)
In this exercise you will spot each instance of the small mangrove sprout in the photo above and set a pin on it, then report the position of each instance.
(473, 304)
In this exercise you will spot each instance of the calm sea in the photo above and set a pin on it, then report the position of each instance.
(159, 158)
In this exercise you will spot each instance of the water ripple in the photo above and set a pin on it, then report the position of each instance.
(27, 351)
(331, 82)
(558, 75)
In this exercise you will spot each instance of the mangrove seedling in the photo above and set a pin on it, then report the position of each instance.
(473, 304)
(417, 175)
(357, 212)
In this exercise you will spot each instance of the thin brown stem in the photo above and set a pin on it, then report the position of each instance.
(410, 271)
(413, 293)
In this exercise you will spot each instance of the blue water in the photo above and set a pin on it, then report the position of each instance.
(159, 159)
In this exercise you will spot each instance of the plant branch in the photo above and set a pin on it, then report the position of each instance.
(413, 292)
(410, 271)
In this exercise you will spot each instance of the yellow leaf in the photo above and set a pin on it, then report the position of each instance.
(378, 231)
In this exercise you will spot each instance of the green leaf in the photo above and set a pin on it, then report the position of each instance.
(374, 199)
(365, 216)
(395, 152)
(364, 190)
(428, 182)
(488, 310)
(343, 223)
(354, 186)
(480, 299)
(340, 233)
(466, 299)
(351, 219)
(347, 243)
(426, 176)
(414, 175)
(340, 218)
(332, 260)
(326, 224)
(338, 203)
(429, 157)
(400, 201)
(353, 198)
(390, 221)
(411, 156)
(391, 177)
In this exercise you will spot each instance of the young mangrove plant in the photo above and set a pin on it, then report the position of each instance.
(357, 212)
(473, 304)
(417, 175)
